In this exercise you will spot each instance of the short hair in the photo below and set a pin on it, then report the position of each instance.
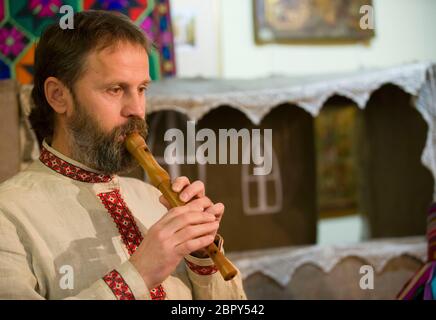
(62, 53)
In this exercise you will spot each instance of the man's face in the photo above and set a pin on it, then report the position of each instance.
(109, 102)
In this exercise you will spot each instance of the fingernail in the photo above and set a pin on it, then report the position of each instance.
(184, 196)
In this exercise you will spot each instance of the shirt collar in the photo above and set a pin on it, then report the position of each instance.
(69, 167)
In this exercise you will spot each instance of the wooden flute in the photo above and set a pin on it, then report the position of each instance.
(159, 178)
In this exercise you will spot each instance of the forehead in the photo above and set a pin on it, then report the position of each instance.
(123, 60)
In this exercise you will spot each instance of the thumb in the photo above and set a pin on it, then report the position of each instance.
(164, 202)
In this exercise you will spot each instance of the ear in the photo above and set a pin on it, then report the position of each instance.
(57, 95)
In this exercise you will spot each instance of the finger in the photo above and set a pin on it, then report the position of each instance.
(195, 189)
(192, 206)
(188, 219)
(164, 202)
(189, 246)
(194, 232)
(172, 213)
(179, 183)
(217, 210)
(203, 202)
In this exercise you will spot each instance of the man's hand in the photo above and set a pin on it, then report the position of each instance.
(196, 190)
(192, 191)
(179, 232)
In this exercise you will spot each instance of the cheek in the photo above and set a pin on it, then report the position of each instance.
(106, 112)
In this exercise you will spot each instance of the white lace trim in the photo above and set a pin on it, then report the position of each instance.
(255, 98)
(280, 264)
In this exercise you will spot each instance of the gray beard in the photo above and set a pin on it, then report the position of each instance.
(101, 151)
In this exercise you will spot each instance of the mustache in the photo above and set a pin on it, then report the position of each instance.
(134, 124)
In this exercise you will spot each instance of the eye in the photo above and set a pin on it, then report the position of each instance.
(142, 89)
(115, 90)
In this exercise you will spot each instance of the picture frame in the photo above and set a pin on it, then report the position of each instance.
(313, 21)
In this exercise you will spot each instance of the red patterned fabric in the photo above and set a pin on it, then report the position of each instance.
(69, 170)
(123, 219)
(158, 293)
(118, 286)
(201, 270)
(128, 229)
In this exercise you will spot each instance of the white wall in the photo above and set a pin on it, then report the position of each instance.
(405, 32)
(341, 230)
(204, 58)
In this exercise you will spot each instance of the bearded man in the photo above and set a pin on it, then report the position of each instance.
(70, 226)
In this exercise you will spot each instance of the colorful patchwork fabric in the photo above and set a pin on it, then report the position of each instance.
(422, 286)
(22, 21)
(158, 27)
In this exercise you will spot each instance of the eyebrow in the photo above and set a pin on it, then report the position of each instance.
(123, 83)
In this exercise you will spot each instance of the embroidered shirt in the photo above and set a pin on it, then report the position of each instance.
(67, 232)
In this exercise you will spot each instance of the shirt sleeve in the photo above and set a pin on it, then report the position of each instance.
(122, 283)
(18, 282)
(208, 283)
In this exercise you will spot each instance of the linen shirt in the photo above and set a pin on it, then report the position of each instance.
(67, 232)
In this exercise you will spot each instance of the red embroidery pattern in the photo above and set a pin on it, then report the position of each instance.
(202, 270)
(118, 286)
(69, 170)
(123, 218)
(128, 229)
(157, 293)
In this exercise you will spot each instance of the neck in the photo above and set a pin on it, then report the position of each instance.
(60, 143)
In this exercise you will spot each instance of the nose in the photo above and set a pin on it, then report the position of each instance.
(134, 104)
